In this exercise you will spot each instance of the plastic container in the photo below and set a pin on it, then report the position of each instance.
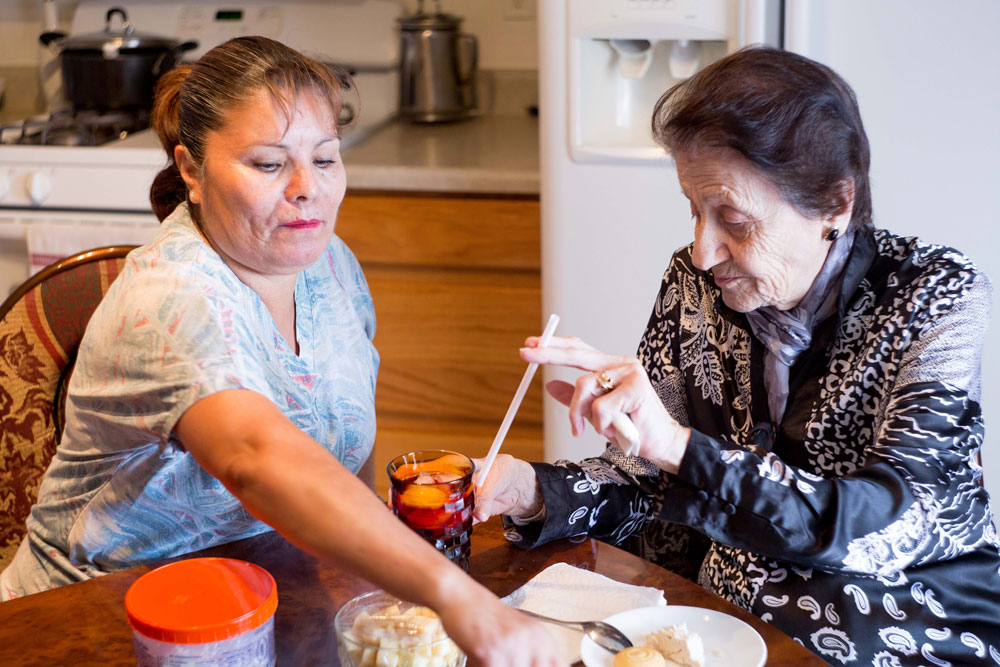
(377, 629)
(203, 611)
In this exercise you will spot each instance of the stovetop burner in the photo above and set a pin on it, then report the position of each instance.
(69, 128)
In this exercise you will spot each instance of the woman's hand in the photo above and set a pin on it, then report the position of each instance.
(493, 634)
(511, 488)
(614, 387)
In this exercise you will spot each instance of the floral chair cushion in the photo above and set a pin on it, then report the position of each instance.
(41, 326)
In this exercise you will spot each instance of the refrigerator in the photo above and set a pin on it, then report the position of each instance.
(927, 78)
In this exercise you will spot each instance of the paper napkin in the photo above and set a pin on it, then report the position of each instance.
(574, 594)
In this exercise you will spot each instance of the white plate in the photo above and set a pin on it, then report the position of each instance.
(729, 642)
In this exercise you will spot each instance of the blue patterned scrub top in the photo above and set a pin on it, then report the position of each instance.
(175, 327)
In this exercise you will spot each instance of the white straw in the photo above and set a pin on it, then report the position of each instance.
(516, 403)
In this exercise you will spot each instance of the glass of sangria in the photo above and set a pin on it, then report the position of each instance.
(431, 492)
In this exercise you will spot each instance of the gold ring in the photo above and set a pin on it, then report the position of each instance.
(605, 382)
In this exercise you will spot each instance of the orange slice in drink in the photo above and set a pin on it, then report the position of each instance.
(422, 495)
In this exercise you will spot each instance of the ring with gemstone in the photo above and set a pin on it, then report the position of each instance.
(605, 382)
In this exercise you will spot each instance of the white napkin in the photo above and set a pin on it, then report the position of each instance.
(574, 594)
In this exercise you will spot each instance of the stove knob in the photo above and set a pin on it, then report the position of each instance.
(39, 186)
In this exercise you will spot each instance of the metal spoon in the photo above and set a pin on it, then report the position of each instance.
(604, 635)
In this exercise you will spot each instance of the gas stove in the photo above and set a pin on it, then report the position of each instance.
(69, 128)
(94, 169)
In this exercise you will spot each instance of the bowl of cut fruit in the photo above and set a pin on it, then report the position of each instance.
(377, 629)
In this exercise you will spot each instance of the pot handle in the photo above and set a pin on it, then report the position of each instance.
(184, 46)
(468, 57)
(174, 53)
(126, 26)
(46, 38)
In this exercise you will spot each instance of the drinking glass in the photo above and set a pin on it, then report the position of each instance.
(431, 492)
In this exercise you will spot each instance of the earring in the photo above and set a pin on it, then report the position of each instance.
(832, 234)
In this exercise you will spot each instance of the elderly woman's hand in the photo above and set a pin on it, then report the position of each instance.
(511, 488)
(614, 389)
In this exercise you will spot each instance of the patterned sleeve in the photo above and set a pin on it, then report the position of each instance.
(592, 497)
(917, 496)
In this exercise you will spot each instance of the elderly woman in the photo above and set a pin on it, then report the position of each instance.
(805, 401)
(226, 383)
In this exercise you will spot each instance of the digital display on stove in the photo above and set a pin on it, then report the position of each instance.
(229, 15)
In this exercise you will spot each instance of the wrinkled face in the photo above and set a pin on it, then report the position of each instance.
(759, 249)
(270, 185)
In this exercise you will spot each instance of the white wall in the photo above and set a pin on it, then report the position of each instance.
(20, 26)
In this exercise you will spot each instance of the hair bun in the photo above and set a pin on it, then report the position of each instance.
(166, 102)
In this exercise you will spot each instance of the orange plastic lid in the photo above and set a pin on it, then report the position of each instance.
(201, 600)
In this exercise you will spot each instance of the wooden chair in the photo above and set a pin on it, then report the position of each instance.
(41, 325)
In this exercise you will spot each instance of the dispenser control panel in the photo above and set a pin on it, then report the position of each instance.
(666, 19)
(622, 55)
(649, 4)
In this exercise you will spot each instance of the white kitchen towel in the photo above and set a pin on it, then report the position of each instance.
(574, 594)
(48, 242)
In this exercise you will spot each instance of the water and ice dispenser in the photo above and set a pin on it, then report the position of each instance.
(623, 54)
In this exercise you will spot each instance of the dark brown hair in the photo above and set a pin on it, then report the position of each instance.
(794, 119)
(193, 100)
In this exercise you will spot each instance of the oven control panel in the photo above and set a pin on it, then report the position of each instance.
(209, 25)
(80, 179)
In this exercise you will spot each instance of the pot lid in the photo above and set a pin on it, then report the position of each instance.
(428, 21)
(112, 40)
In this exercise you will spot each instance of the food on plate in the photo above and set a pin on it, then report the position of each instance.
(678, 644)
(396, 638)
(639, 656)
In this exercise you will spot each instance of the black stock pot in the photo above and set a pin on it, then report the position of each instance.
(114, 70)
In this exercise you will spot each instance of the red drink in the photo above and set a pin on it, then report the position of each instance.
(432, 494)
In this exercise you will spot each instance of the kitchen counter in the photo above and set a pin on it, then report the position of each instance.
(487, 154)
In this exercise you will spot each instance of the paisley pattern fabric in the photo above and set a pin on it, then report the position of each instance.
(859, 524)
(176, 327)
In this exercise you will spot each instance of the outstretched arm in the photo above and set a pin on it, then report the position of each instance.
(289, 481)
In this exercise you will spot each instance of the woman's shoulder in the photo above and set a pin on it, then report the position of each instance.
(909, 264)
(178, 255)
(177, 271)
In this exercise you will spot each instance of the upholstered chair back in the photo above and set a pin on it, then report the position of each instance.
(41, 325)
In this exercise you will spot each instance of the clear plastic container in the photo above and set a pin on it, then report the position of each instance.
(203, 611)
(380, 630)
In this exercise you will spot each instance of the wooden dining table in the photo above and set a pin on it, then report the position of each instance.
(85, 623)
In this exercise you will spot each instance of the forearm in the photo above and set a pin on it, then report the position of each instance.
(590, 498)
(321, 507)
(847, 523)
(290, 482)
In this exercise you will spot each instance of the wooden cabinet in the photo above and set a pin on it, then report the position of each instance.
(456, 285)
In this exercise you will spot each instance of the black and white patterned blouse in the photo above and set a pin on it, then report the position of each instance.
(859, 525)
